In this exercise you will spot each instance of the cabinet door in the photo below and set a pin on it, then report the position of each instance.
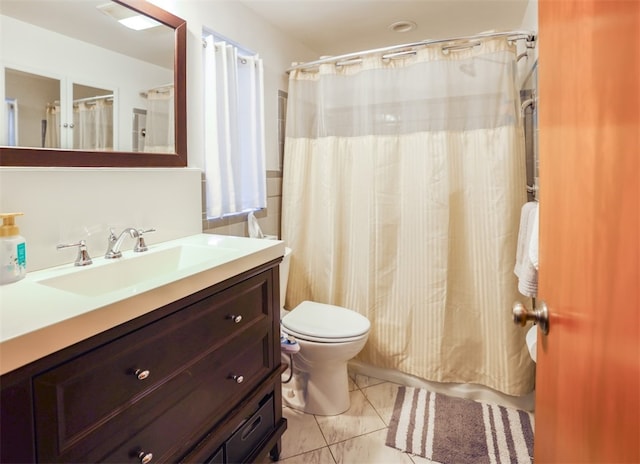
(185, 362)
(47, 111)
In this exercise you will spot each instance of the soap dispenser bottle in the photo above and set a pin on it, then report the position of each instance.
(13, 250)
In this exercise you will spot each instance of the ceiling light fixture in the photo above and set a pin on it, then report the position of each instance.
(139, 22)
(403, 26)
(127, 17)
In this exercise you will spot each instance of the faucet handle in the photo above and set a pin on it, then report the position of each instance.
(112, 235)
(140, 244)
(83, 258)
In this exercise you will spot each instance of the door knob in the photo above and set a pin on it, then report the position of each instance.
(539, 316)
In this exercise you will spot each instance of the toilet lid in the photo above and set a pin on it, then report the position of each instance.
(323, 321)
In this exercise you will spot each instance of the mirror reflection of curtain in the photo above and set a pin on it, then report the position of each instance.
(93, 125)
(52, 135)
(160, 133)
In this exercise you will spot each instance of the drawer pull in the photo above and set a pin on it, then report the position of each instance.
(235, 318)
(145, 458)
(249, 430)
(142, 374)
(238, 378)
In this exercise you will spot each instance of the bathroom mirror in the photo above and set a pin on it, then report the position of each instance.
(69, 64)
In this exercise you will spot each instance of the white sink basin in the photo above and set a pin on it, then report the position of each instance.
(136, 269)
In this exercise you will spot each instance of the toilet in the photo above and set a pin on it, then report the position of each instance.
(329, 336)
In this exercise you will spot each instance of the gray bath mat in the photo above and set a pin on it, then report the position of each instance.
(458, 431)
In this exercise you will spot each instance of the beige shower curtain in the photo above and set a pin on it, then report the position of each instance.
(402, 187)
(93, 121)
(160, 132)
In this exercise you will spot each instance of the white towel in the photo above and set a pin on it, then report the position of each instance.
(533, 242)
(253, 226)
(532, 342)
(524, 269)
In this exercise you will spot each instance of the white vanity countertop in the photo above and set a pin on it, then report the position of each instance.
(38, 317)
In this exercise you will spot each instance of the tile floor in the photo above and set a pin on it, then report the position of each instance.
(356, 436)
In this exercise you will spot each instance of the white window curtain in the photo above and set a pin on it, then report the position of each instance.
(234, 130)
(160, 132)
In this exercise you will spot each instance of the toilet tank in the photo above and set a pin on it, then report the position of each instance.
(284, 276)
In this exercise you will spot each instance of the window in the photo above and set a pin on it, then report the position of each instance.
(234, 128)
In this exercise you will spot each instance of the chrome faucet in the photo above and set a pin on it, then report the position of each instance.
(83, 258)
(116, 242)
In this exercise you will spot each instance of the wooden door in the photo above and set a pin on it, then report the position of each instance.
(588, 371)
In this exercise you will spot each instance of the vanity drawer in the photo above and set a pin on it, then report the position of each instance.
(75, 399)
(163, 421)
(211, 392)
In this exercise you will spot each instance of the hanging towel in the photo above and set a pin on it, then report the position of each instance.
(533, 242)
(524, 269)
(253, 226)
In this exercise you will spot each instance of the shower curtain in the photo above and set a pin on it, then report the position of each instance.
(160, 132)
(402, 187)
(93, 125)
(52, 136)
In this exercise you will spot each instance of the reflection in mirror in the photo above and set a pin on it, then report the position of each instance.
(73, 99)
(92, 118)
(32, 97)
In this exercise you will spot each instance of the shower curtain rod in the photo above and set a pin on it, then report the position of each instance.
(160, 89)
(99, 97)
(398, 50)
(87, 99)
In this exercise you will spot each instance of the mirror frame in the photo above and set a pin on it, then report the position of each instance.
(53, 157)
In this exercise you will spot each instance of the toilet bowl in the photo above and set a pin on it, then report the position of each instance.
(329, 336)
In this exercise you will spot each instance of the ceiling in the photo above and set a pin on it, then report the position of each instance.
(328, 27)
(81, 20)
(334, 27)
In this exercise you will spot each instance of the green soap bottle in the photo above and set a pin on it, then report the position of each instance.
(13, 250)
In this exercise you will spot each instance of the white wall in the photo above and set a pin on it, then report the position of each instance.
(67, 204)
(240, 24)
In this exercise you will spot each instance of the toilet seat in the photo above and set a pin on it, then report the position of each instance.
(325, 323)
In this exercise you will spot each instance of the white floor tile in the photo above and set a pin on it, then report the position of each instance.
(420, 460)
(352, 385)
(364, 381)
(383, 399)
(302, 435)
(321, 456)
(359, 419)
(369, 449)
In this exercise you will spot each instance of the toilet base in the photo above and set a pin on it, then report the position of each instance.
(324, 391)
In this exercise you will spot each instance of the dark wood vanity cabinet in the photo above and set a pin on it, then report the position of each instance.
(197, 380)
